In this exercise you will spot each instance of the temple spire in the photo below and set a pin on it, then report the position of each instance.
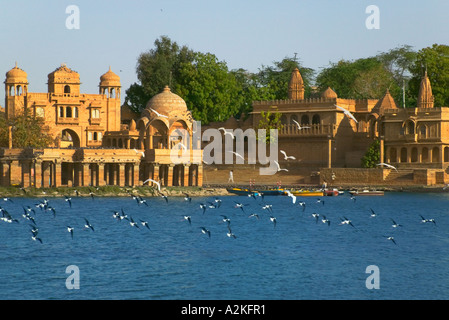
(296, 86)
(425, 96)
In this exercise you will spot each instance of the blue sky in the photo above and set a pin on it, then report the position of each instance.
(244, 33)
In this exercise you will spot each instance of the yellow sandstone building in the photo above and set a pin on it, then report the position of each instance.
(91, 145)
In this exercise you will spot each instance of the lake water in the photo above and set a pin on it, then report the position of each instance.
(298, 258)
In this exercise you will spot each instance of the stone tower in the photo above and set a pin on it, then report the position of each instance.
(16, 89)
(425, 96)
(296, 86)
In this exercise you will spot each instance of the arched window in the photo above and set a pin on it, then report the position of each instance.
(61, 112)
(67, 89)
(112, 93)
(305, 120)
(425, 155)
(410, 127)
(423, 131)
(414, 156)
(68, 112)
(316, 119)
(393, 155)
(283, 119)
(95, 136)
(19, 90)
(435, 154)
(403, 154)
(75, 112)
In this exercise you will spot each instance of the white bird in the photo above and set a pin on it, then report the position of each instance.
(316, 216)
(70, 229)
(279, 167)
(285, 155)
(230, 234)
(273, 219)
(291, 195)
(299, 126)
(155, 182)
(395, 225)
(391, 239)
(325, 220)
(158, 114)
(237, 154)
(141, 152)
(387, 165)
(226, 132)
(347, 113)
(205, 231)
(346, 221)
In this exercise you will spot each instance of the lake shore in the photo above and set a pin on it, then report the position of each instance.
(205, 191)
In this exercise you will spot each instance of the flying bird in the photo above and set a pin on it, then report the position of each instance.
(395, 225)
(226, 132)
(145, 224)
(189, 219)
(391, 239)
(230, 234)
(87, 225)
(291, 195)
(299, 126)
(325, 220)
(388, 166)
(70, 229)
(159, 114)
(285, 155)
(273, 219)
(205, 231)
(347, 113)
(69, 200)
(155, 182)
(279, 167)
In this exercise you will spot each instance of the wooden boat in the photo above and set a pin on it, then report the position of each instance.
(366, 193)
(331, 193)
(306, 193)
(248, 192)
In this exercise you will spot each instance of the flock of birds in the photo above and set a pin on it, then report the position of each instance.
(257, 208)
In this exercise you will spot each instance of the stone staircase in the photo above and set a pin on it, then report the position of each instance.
(402, 176)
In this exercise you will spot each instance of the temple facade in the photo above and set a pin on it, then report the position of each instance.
(92, 147)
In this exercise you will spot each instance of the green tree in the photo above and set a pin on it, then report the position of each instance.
(435, 60)
(27, 132)
(372, 156)
(269, 120)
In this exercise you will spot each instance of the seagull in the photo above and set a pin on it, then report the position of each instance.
(285, 155)
(205, 231)
(237, 154)
(279, 167)
(226, 219)
(141, 152)
(70, 229)
(159, 114)
(273, 219)
(373, 214)
(299, 126)
(187, 197)
(7, 199)
(218, 202)
(347, 113)
(316, 216)
(69, 200)
(267, 207)
(423, 220)
(132, 223)
(346, 221)
(145, 224)
(165, 197)
(391, 239)
(302, 204)
(291, 195)
(203, 206)
(230, 234)
(254, 215)
(189, 219)
(395, 225)
(140, 200)
(319, 200)
(226, 132)
(155, 182)
(36, 238)
(387, 165)
(88, 225)
(325, 220)
(240, 205)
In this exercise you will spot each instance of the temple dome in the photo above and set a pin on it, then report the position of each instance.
(387, 102)
(167, 103)
(16, 75)
(329, 94)
(110, 79)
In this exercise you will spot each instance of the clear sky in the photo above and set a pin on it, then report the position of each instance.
(244, 33)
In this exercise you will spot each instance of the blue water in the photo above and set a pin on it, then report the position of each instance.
(298, 258)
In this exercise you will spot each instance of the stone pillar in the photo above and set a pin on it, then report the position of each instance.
(86, 175)
(38, 174)
(135, 179)
(381, 151)
(46, 169)
(186, 180)
(5, 174)
(15, 173)
(156, 172)
(329, 153)
(199, 175)
(57, 174)
(121, 174)
(101, 181)
(26, 173)
(170, 175)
